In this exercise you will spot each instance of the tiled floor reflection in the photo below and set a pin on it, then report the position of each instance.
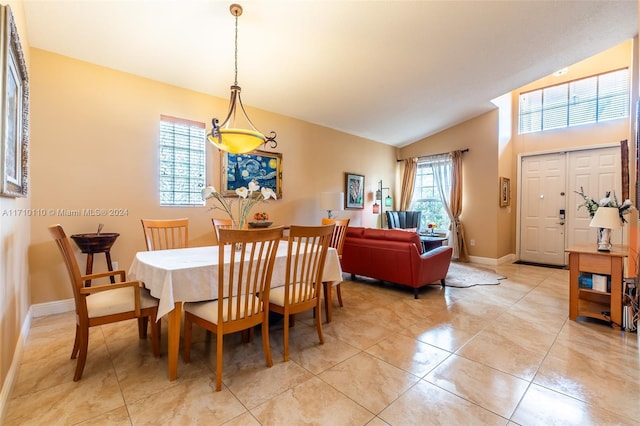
(500, 355)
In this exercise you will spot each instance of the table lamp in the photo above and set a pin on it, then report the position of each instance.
(330, 201)
(606, 219)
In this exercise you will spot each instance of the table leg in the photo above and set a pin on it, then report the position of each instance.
(110, 266)
(174, 318)
(89, 268)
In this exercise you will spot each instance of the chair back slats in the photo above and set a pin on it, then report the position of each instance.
(165, 234)
(339, 233)
(307, 251)
(245, 267)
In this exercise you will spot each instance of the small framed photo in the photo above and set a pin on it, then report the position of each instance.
(505, 192)
(354, 191)
(14, 115)
(238, 170)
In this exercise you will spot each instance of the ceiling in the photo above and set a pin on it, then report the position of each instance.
(391, 71)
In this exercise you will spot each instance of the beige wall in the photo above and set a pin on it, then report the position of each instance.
(14, 240)
(480, 176)
(95, 146)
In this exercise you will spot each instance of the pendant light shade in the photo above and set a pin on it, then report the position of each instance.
(237, 134)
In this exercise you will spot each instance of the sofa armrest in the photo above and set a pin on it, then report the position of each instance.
(434, 264)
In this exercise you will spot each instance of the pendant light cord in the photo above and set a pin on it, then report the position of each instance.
(236, 54)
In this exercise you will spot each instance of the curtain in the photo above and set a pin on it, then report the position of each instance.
(443, 176)
(408, 181)
(457, 229)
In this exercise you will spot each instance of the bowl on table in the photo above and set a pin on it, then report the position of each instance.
(260, 224)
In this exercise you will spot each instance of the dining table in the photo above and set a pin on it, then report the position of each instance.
(176, 276)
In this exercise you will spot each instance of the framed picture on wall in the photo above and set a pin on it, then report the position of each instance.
(505, 192)
(14, 116)
(354, 191)
(239, 169)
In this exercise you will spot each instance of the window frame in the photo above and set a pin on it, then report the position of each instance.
(193, 148)
(568, 112)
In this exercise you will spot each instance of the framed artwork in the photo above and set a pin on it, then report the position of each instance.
(505, 192)
(354, 191)
(239, 169)
(14, 118)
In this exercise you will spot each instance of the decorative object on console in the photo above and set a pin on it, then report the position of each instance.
(606, 214)
(228, 136)
(331, 201)
(605, 219)
(247, 198)
(354, 190)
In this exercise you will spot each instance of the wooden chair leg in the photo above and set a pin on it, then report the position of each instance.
(265, 341)
(155, 335)
(83, 345)
(339, 293)
(142, 327)
(219, 338)
(319, 325)
(326, 288)
(188, 325)
(76, 346)
(286, 337)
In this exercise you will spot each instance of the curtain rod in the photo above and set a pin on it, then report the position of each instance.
(431, 155)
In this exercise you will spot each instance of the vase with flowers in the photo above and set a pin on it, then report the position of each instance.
(609, 203)
(247, 198)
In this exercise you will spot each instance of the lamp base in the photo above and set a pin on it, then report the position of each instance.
(604, 239)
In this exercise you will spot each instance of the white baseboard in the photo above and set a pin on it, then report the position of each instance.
(12, 374)
(493, 262)
(50, 308)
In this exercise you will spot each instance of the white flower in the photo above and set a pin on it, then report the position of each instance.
(242, 192)
(268, 193)
(208, 192)
(253, 186)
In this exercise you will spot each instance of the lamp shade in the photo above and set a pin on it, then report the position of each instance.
(606, 217)
(332, 201)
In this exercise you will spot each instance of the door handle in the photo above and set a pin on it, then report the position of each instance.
(560, 223)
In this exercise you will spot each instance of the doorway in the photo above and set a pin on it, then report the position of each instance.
(549, 219)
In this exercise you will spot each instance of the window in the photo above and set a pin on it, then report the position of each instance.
(427, 196)
(182, 162)
(589, 100)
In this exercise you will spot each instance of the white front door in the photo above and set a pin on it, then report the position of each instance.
(550, 219)
(542, 228)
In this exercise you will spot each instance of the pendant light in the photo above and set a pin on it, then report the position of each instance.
(229, 136)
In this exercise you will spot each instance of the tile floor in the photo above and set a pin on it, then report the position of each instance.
(503, 354)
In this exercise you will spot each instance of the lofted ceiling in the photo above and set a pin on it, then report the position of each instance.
(391, 71)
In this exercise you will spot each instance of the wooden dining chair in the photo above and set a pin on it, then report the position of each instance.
(105, 303)
(245, 266)
(337, 242)
(306, 253)
(165, 234)
(217, 223)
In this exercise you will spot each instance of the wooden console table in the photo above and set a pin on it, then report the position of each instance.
(586, 260)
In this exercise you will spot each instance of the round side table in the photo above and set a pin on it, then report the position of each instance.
(95, 243)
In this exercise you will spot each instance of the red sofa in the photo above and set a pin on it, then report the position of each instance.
(395, 256)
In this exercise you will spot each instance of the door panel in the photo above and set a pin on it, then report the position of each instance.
(543, 196)
(596, 171)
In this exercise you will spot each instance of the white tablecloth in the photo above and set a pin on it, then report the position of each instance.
(190, 274)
